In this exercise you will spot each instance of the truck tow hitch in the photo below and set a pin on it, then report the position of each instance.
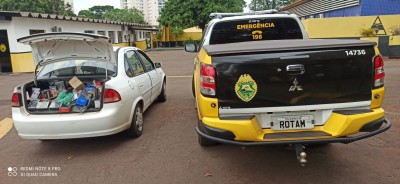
(301, 154)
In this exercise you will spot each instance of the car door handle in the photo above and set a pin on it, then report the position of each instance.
(141, 85)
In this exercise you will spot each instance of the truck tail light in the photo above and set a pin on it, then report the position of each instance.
(15, 100)
(207, 80)
(111, 96)
(379, 73)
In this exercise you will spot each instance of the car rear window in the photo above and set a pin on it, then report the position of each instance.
(255, 29)
(81, 67)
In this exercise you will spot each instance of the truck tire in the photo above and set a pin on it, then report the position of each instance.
(205, 142)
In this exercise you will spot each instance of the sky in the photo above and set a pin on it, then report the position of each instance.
(86, 4)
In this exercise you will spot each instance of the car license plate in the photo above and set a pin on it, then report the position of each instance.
(292, 122)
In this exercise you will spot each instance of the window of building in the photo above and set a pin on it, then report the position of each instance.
(112, 37)
(148, 35)
(89, 31)
(119, 36)
(139, 35)
(101, 33)
(36, 31)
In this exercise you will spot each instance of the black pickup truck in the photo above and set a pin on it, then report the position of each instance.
(259, 80)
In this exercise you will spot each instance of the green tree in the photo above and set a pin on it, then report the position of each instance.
(125, 15)
(257, 5)
(38, 6)
(68, 10)
(86, 14)
(100, 11)
(189, 13)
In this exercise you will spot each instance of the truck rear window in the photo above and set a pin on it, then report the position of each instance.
(255, 29)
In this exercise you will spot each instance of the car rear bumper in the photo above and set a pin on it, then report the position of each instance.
(367, 129)
(113, 118)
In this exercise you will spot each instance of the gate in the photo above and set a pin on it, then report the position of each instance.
(5, 58)
(383, 45)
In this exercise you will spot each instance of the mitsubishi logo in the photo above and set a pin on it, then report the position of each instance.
(295, 86)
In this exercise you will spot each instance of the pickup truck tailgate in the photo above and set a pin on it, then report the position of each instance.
(292, 72)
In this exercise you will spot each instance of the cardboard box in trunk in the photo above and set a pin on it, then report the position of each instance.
(76, 83)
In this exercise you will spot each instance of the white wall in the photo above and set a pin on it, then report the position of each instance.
(20, 26)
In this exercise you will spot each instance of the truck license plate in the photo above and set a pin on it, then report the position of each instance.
(292, 122)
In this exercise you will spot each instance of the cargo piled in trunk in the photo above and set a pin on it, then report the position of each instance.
(64, 96)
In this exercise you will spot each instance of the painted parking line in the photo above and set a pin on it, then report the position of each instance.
(179, 76)
(5, 126)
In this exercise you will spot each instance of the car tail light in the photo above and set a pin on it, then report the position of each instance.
(15, 100)
(379, 73)
(207, 80)
(111, 96)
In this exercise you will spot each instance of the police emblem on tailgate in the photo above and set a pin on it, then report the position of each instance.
(246, 88)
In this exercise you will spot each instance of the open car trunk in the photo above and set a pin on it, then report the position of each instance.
(71, 95)
(73, 70)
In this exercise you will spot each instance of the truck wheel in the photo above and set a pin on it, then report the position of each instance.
(205, 142)
(193, 92)
(163, 95)
(136, 128)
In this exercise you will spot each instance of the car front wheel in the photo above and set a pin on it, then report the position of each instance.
(163, 95)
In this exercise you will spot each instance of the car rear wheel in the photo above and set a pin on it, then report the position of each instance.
(163, 95)
(136, 128)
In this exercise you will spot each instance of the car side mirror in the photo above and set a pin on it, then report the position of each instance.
(191, 47)
(157, 65)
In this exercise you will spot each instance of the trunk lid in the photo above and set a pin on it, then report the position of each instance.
(52, 47)
(292, 73)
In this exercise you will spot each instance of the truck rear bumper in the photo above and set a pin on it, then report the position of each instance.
(223, 136)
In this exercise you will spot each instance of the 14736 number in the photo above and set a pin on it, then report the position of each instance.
(355, 52)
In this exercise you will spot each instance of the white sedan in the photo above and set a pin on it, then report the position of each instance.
(85, 88)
